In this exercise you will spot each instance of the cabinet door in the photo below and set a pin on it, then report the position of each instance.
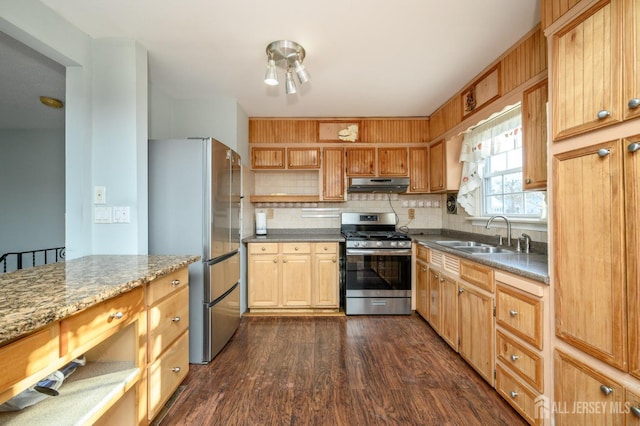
(325, 286)
(267, 158)
(392, 162)
(534, 136)
(589, 255)
(449, 306)
(418, 170)
(361, 162)
(422, 289)
(631, 59)
(631, 149)
(296, 280)
(434, 300)
(576, 382)
(333, 174)
(303, 158)
(476, 330)
(586, 72)
(437, 164)
(263, 280)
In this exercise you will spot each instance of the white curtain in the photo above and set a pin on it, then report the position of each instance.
(494, 136)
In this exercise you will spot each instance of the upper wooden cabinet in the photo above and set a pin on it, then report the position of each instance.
(418, 170)
(392, 162)
(361, 162)
(270, 130)
(444, 165)
(303, 158)
(552, 10)
(333, 174)
(590, 63)
(267, 158)
(534, 136)
(274, 158)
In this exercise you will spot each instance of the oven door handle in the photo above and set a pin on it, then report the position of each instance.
(378, 252)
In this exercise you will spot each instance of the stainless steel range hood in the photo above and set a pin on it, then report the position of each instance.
(388, 185)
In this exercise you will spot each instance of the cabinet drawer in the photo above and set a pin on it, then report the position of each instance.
(88, 326)
(166, 373)
(28, 355)
(517, 394)
(163, 286)
(263, 248)
(520, 314)
(422, 252)
(524, 362)
(166, 321)
(330, 248)
(479, 275)
(295, 248)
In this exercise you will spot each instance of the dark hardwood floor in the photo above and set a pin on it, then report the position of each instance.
(357, 370)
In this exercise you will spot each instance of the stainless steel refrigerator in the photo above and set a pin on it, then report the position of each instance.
(194, 208)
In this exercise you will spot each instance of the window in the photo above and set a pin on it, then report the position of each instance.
(492, 172)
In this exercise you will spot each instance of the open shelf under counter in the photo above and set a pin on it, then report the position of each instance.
(284, 198)
(84, 396)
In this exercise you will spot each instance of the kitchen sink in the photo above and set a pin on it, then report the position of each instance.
(485, 250)
(462, 244)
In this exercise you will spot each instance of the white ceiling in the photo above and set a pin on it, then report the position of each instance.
(365, 57)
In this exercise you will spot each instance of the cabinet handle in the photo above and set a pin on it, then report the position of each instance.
(606, 390)
(175, 283)
(635, 411)
(514, 357)
(175, 319)
(275, 260)
(326, 248)
(441, 280)
(460, 290)
(176, 369)
(603, 114)
(513, 312)
(634, 103)
(333, 260)
(435, 276)
(284, 260)
(424, 269)
(633, 147)
(513, 394)
(263, 248)
(603, 152)
(296, 248)
(527, 180)
(116, 315)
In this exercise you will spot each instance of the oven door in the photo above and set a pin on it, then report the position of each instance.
(378, 273)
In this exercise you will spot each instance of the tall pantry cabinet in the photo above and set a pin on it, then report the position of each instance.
(595, 200)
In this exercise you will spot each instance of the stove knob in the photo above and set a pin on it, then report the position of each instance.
(363, 244)
(379, 243)
(394, 243)
(402, 243)
(356, 243)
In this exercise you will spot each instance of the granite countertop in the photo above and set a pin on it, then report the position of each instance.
(34, 297)
(529, 265)
(294, 235)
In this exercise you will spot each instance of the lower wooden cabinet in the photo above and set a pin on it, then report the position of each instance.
(422, 281)
(476, 329)
(293, 276)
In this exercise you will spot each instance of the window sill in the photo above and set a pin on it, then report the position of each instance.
(530, 224)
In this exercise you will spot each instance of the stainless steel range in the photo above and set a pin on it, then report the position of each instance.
(377, 265)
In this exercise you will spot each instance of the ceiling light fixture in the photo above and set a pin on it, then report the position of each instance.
(289, 56)
(51, 102)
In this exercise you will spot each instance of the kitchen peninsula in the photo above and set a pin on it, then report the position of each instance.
(109, 309)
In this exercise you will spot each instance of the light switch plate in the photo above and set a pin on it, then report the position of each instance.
(121, 215)
(102, 214)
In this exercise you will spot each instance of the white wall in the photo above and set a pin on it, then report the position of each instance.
(31, 189)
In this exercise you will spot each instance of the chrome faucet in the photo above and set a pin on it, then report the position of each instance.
(508, 227)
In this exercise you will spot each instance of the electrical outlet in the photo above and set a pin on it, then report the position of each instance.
(412, 213)
(100, 195)
(269, 213)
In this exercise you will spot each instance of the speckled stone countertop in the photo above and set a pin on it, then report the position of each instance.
(293, 235)
(529, 265)
(34, 297)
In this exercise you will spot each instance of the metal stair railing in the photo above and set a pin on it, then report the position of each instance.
(14, 261)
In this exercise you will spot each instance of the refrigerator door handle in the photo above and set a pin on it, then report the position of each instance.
(226, 293)
(221, 258)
